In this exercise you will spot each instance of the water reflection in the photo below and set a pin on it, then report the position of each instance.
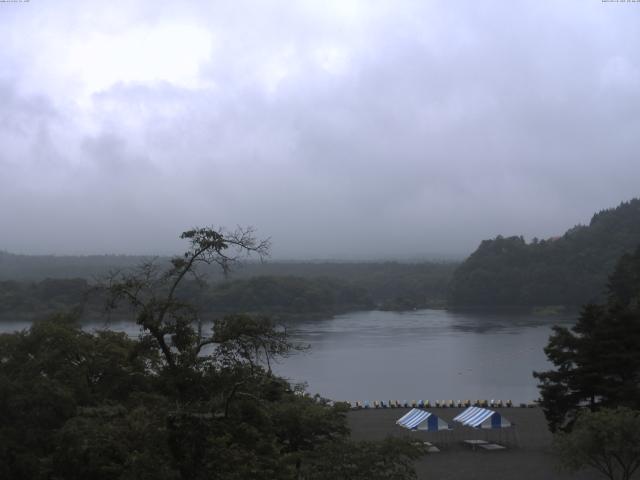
(430, 354)
(425, 354)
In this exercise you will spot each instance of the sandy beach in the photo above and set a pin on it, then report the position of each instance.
(527, 456)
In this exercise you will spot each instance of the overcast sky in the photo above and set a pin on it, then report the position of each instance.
(339, 129)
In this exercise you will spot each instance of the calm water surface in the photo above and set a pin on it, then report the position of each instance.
(425, 354)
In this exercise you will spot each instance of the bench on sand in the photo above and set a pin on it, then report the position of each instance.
(492, 446)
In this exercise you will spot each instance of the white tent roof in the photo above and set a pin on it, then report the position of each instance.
(482, 418)
(417, 419)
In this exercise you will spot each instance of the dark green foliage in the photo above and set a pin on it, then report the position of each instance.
(597, 362)
(176, 403)
(47, 376)
(76, 405)
(287, 295)
(570, 270)
(624, 282)
(41, 298)
(607, 440)
(109, 442)
(314, 290)
(391, 459)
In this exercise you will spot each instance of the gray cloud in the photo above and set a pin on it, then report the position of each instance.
(338, 129)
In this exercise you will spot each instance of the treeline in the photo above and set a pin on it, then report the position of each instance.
(352, 287)
(27, 299)
(570, 270)
(39, 267)
(287, 295)
(386, 285)
(507, 271)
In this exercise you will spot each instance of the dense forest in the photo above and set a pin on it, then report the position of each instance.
(178, 402)
(285, 289)
(569, 270)
(507, 271)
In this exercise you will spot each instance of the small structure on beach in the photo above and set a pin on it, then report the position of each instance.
(418, 419)
(488, 420)
(478, 417)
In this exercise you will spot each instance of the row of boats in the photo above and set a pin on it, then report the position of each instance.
(437, 404)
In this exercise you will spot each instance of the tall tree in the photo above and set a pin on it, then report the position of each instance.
(152, 292)
(597, 361)
(75, 404)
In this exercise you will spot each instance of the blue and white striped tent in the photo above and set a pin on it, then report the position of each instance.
(482, 418)
(417, 419)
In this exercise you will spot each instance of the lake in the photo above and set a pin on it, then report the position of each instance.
(424, 354)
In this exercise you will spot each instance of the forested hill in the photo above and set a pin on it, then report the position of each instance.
(570, 270)
(35, 286)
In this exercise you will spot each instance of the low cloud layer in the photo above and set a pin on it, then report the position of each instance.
(338, 129)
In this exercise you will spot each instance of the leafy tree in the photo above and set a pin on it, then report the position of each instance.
(152, 293)
(597, 361)
(304, 423)
(243, 339)
(607, 440)
(391, 459)
(175, 403)
(109, 442)
(48, 375)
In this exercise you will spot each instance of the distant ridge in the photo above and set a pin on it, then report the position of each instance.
(37, 267)
(568, 270)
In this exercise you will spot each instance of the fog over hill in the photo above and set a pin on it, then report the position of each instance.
(338, 129)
